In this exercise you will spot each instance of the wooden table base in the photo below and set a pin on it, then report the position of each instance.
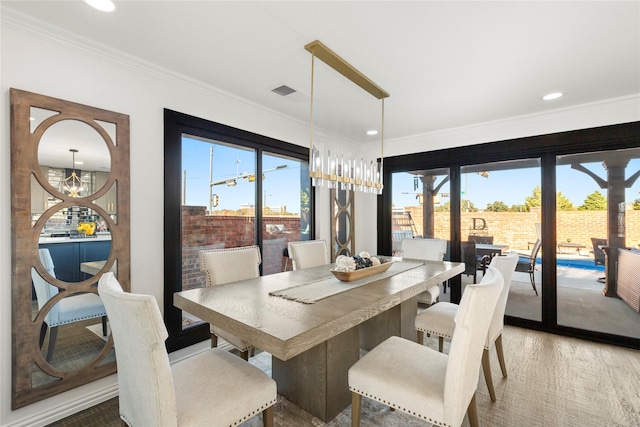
(316, 380)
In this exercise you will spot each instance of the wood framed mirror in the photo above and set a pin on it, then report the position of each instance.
(69, 225)
(342, 226)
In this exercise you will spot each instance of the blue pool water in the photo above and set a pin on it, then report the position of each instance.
(585, 264)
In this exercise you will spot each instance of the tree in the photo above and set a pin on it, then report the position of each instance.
(497, 206)
(636, 204)
(467, 206)
(594, 202)
(446, 207)
(535, 200)
(519, 208)
(563, 203)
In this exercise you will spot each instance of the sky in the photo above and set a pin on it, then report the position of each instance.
(510, 186)
(231, 162)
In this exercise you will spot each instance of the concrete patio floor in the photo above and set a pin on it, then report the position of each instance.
(580, 301)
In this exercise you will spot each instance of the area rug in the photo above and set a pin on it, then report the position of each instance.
(97, 330)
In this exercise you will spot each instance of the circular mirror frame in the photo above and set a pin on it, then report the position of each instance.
(25, 239)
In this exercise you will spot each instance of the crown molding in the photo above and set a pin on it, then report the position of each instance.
(628, 102)
(101, 52)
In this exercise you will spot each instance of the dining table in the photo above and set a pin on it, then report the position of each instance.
(92, 267)
(314, 325)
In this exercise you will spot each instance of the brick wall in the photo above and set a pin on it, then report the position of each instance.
(517, 229)
(200, 231)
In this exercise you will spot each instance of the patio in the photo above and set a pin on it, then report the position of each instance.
(580, 300)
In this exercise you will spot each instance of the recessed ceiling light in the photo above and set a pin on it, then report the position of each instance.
(102, 5)
(372, 132)
(551, 96)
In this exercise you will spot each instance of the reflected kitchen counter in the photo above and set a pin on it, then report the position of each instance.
(69, 253)
(74, 239)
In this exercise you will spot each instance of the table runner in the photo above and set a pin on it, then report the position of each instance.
(311, 292)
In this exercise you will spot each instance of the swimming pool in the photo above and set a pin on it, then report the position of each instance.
(585, 264)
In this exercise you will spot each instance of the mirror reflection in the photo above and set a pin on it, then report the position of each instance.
(76, 237)
(74, 157)
(70, 176)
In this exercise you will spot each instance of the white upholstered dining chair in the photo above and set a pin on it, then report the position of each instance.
(308, 253)
(439, 320)
(228, 265)
(210, 388)
(74, 308)
(427, 250)
(422, 382)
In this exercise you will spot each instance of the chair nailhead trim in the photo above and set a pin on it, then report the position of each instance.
(434, 333)
(393, 405)
(254, 413)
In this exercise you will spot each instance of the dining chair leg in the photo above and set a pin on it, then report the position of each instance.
(420, 337)
(503, 366)
(245, 355)
(53, 335)
(104, 326)
(214, 340)
(486, 368)
(43, 333)
(267, 417)
(533, 282)
(356, 403)
(440, 344)
(472, 411)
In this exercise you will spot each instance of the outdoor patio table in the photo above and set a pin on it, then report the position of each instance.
(570, 245)
(491, 250)
(314, 345)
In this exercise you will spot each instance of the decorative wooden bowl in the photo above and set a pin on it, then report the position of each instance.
(350, 276)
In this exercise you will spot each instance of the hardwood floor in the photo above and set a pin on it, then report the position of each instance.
(553, 381)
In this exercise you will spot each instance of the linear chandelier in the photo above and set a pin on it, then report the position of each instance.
(335, 170)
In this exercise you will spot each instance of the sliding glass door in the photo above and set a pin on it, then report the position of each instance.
(286, 205)
(598, 212)
(226, 188)
(566, 202)
(500, 211)
(420, 205)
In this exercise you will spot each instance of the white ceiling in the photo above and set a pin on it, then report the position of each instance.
(445, 64)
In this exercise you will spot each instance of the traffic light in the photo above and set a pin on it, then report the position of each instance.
(215, 200)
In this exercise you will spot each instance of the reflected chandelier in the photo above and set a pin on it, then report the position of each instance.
(338, 171)
(73, 183)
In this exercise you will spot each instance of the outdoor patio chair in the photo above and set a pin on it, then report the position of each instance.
(527, 264)
(598, 253)
(473, 263)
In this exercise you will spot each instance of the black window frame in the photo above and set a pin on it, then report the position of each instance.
(176, 125)
(546, 148)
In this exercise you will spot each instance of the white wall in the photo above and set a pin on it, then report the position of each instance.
(34, 63)
(37, 63)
